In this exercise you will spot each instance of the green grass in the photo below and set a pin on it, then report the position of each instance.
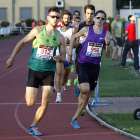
(124, 122)
(8, 37)
(117, 82)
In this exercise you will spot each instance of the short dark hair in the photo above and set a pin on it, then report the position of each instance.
(129, 17)
(77, 18)
(66, 12)
(91, 7)
(77, 12)
(100, 11)
(54, 9)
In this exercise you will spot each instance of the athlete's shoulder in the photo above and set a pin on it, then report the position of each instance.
(81, 23)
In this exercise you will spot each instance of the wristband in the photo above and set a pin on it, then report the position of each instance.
(12, 57)
(70, 55)
(107, 43)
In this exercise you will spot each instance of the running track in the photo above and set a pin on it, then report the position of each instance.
(16, 117)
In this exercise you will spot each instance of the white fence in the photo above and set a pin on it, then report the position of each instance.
(9, 30)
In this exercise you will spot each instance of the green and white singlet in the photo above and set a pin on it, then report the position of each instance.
(43, 51)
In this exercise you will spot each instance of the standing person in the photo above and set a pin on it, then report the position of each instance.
(131, 43)
(22, 27)
(106, 25)
(42, 63)
(89, 59)
(33, 24)
(89, 11)
(40, 23)
(66, 31)
(117, 33)
(127, 23)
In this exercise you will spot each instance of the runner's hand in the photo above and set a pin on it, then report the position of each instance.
(107, 38)
(69, 59)
(56, 58)
(9, 63)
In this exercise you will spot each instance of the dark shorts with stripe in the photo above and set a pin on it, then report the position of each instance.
(36, 78)
(88, 73)
(118, 41)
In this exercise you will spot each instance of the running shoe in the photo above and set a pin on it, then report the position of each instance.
(33, 130)
(75, 81)
(27, 80)
(64, 88)
(69, 83)
(76, 90)
(72, 68)
(83, 113)
(58, 99)
(75, 125)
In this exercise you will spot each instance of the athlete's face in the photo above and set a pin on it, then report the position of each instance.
(89, 15)
(53, 18)
(99, 19)
(117, 17)
(66, 20)
(77, 20)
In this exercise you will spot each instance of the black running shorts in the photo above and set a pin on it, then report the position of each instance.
(88, 73)
(36, 78)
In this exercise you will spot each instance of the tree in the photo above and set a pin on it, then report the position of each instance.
(121, 3)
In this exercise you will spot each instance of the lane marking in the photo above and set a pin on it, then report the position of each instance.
(39, 103)
(13, 69)
(18, 121)
(65, 135)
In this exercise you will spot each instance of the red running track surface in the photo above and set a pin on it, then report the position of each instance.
(16, 116)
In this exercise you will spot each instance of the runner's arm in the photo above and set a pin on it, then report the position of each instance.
(107, 41)
(74, 31)
(33, 33)
(83, 31)
(62, 57)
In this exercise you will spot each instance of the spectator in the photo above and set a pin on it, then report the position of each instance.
(40, 23)
(106, 25)
(33, 24)
(117, 33)
(127, 23)
(131, 43)
(76, 13)
(22, 27)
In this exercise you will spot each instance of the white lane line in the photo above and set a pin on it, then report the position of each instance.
(13, 69)
(18, 121)
(39, 103)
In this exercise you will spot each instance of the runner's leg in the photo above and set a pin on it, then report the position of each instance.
(46, 95)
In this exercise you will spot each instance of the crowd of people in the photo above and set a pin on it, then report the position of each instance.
(63, 42)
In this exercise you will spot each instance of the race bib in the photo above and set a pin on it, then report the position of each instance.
(73, 52)
(45, 52)
(82, 39)
(94, 49)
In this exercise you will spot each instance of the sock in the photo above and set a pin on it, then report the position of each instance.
(58, 94)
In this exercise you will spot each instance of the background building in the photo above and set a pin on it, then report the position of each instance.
(14, 11)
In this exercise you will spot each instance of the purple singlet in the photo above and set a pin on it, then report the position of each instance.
(91, 50)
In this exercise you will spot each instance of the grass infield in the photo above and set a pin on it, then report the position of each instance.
(125, 122)
(119, 82)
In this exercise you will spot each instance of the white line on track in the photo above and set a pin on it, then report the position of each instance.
(13, 69)
(39, 103)
(18, 121)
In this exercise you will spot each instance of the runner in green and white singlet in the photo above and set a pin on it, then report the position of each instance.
(42, 63)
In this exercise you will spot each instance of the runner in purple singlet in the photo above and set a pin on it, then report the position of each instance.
(89, 59)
